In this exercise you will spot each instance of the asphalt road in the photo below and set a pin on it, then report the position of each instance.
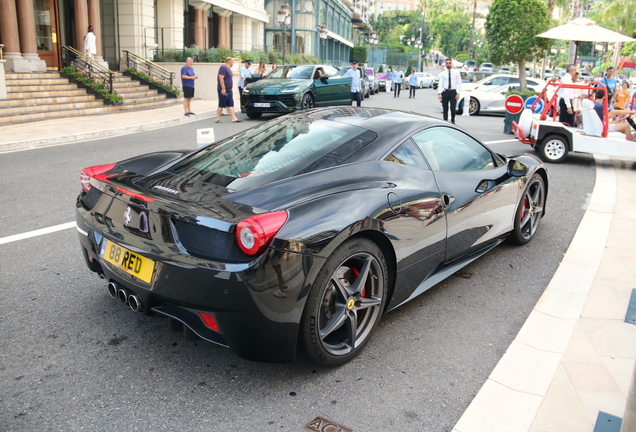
(72, 358)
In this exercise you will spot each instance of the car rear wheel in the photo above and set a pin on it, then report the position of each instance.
(254, 115)
(553, 148)
(473, 106)
(346, 303)
(529, 212)
(307, 101)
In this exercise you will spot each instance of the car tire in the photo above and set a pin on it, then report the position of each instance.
(553, 148)
(345, 304)
(307, 102)
(253, 114)
(473, 106)
(529, 212)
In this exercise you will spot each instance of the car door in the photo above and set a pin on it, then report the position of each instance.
(479, 196)
(331, 88)
(414, 222)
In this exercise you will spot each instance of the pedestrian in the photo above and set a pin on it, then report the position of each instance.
(244, 74)
(224, 89)
(398, 76)
(90, 43)
(610, 82)
(449, 89)
(262, 70)
(566, 95)
(356, 85)
(612, 125)
(412, 84)
(187, 84)
(389, 80)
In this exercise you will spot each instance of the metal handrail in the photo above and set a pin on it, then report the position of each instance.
(96, 72)
(149, 68)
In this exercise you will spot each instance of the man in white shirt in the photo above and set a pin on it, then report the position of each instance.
(566, 113)
(449, 88)
(356, 84)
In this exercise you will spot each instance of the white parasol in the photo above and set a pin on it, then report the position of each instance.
(584, 30)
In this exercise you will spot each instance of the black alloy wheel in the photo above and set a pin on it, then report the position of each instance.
(346, 303)
(254, 114)
(529, 212)
(307, 102)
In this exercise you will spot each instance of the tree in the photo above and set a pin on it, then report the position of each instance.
(452, 30)
(511, 26)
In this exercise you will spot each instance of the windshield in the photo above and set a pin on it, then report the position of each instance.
(274, 151)
(292, 72)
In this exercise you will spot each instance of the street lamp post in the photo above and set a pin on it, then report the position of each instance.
(418, 46)
(323, 39)
(284, 19)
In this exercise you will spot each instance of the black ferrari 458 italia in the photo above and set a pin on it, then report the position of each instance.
(301, 232)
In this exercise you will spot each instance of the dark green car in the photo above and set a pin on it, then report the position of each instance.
(296, 87)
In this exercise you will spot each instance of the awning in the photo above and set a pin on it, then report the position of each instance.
(240, 9)
(339, 38)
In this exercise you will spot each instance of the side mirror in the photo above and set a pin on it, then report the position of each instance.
(516, 168)
(324, 79)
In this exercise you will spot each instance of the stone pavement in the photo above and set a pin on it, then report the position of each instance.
(575, 355)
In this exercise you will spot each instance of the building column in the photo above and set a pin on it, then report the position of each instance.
(81, 24)
(200, 24)
(95, 21)
(224, 28)
(11, 38)
(28, 42)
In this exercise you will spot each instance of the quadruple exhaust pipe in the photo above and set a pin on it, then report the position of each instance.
(124, 295)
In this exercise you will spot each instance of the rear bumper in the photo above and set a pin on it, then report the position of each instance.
(253, 322)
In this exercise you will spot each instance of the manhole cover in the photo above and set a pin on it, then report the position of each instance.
(463, 274)
(322, 424)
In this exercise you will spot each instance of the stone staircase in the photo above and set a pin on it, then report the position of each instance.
(47, 95)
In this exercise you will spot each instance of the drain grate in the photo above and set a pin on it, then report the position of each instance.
(320, 424)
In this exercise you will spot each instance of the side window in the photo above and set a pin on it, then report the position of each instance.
(331, 72)
(499, 81)
(407, 154)
(450, 150)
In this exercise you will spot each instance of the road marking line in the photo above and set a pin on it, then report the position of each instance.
(36, 233)
(500, 141)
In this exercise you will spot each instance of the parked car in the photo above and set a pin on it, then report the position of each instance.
(548, 73)
(490, 99)
(505, 70)
(374, 85)
(294, 87)
(487, 67)
(366, 84)
(424, 80)
(470, 65)
(301, 232)
(499, 80)
(381, 81)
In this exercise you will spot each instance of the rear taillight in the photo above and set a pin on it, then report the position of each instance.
(96, 172)
(209, 321)
(254, 234)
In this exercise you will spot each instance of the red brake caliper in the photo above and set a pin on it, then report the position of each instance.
(356, 273)
(523, 209)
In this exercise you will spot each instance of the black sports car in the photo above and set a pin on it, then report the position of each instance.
(303, 231)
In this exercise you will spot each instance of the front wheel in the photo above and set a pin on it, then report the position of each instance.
(473, 106)
(346, 303)
(307, 102)
(254, 115)
(553, 148)
(529, 212)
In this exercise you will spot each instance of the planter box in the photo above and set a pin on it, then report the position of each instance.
(152, 85)
(89, 90)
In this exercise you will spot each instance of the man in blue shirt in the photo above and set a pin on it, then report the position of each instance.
(187, 83)
(244, 73)
(356, 85)
(397, 80)
(610, 82)
(389, 80)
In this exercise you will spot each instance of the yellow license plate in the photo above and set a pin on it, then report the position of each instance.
(130, 262)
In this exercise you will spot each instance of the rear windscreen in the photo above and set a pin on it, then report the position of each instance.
(274, 151)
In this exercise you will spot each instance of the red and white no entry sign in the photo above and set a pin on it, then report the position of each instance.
(514, 104)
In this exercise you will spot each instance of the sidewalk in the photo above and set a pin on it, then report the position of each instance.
(575, 355)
